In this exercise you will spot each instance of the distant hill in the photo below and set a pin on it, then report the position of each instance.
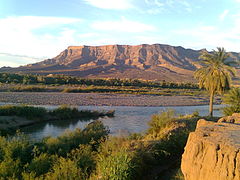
(150, 62)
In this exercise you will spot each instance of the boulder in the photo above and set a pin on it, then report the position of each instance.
(212, 152)
(235, 118)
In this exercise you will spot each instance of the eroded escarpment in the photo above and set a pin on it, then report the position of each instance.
(212, 152)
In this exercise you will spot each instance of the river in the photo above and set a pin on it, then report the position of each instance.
(128, 119)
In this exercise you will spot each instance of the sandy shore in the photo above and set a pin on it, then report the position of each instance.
(99, 99)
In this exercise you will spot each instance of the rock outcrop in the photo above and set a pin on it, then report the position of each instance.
(212, 152)
(235, 118)
(150, 62)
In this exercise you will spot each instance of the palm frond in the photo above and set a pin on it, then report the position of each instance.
(215, 75)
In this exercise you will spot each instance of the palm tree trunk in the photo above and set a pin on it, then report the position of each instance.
(211, 104)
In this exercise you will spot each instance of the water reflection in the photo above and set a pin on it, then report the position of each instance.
(53, 128)
(127, 119)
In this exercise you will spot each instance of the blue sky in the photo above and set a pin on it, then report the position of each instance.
(32, 30)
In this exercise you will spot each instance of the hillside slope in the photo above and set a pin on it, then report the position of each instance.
(151, 62)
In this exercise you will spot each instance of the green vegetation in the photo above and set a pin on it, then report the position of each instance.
(100, 89)
(31, 88)
(160, 121)
(62, 112)
(92, 154)
(23, 111)
(70, 84)
(65, 112)
(215, 75)
(70, 156)
(13, 117)
(70, 80)
(232, 99)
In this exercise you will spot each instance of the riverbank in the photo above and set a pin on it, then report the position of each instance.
(13, 117)
(100, 99)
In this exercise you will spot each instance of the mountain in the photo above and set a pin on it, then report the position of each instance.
(151, 62)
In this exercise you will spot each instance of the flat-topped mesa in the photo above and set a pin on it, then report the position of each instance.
(212, 152)
(149, 62)
(75, 47)
(141, 56)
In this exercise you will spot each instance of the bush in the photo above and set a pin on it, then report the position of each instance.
(17, 148)
(85, 159)
(232, 99)
(29, 89)
(64, 169)
(171, 147)
(94, 133)
(41, 164)
(40, 114)
(15, 152)
(22, 111)
(70, 156)
(160, 121)
(118, 165)
(65, 112)
(10, 169)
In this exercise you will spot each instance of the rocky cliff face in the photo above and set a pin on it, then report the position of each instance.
(212, 152)
(157, 61)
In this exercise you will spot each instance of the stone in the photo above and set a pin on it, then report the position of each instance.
(212, 152)
(235, 118)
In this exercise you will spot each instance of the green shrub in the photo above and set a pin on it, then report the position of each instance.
(71, 155)
(41, 164)
(232, 99)
(65, 112)
(22, 111)
(85, 159)
(29, 89)
(94, 133)
(18, 147)
(30, 176)
(16, 152)
(170, 147)
(119, 165)
(65, 168)
(10, 169)
(160, 121)
(39, 113)
(3, 143)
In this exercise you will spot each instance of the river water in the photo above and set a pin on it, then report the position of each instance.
(128, 119)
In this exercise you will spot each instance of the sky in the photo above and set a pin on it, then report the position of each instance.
(33, 30)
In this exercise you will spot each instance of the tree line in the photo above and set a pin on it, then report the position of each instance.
(71, 80)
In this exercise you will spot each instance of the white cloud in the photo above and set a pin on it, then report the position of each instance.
(20, 35)
(160, 6)
(111, 4)
(16, 60)
(186, 5)
(210, 37)
(153, 11)
(158, 3)
(122, 25)
(35, 22)
(223, 15)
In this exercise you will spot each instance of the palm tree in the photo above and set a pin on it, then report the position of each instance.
(215, 75)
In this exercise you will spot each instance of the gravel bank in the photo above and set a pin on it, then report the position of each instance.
(99, 99)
